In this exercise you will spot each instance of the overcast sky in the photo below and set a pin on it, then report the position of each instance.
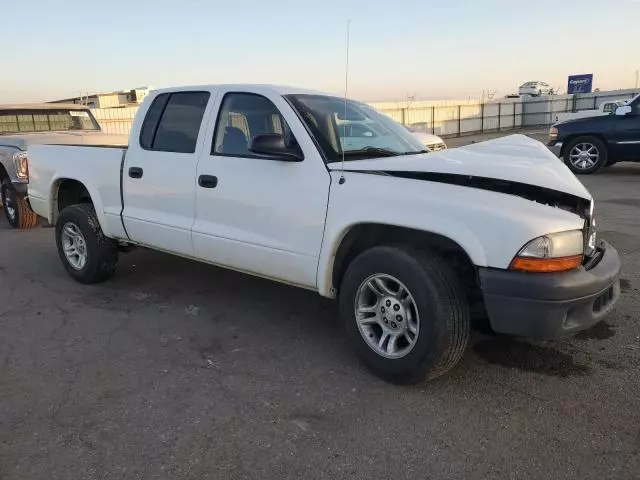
(435, 49)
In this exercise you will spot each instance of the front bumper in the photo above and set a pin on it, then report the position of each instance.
(551, 305)
(555, 147)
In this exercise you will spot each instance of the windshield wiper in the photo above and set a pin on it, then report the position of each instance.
(379, 152)
(416, 152)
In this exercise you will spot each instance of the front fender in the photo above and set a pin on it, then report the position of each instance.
(336, 231)
(491, 227)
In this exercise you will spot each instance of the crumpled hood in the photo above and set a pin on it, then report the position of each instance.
(515, 158)
(23, 141)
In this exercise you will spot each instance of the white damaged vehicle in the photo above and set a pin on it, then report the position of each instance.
(413, 244)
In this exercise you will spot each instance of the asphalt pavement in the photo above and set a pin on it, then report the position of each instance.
(179, 370)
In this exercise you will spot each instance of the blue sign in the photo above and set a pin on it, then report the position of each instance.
(580, 83)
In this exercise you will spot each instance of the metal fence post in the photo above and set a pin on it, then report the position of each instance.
(499, 115)
(595, 99)
(514, 113)
(459, 120)
(402, 116)
(482, 117)
(433, 119)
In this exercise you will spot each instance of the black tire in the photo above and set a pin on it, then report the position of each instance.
(101, 251)
(599, 147)
(441, 304)
(16, 208)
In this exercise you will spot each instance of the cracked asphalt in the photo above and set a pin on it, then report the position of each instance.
(176, 369)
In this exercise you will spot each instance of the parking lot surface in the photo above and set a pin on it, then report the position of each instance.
(175, 369)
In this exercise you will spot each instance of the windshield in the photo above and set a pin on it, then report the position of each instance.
(24, 121)
(361, 133)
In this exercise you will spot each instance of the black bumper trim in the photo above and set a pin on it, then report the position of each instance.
(21, 188)
(552, 304)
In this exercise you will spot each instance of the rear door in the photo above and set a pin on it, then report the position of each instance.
(627, 133)
(160, 168)
(254, 213)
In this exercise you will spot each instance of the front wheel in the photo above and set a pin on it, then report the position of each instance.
(405, 312)
(585, 155)
(16, 208)
(87, 254)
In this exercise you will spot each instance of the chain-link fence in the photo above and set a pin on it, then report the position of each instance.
(447, 119)
(469, 117)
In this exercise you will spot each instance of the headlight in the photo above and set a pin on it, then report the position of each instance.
(556, 252)
(592, 239)
(22, 165)
(553, 133)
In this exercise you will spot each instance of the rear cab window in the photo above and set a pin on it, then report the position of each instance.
(45, 120)
(173, 121)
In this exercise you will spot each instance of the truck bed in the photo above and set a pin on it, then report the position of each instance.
(98, 168)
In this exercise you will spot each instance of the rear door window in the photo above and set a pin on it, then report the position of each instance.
(173, 122)
(151, 120)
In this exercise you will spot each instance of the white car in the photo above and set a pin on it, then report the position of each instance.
(257, 179)
(355, 135)
(535, 89)
(433, 142)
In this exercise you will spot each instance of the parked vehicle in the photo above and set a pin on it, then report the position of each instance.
(605, 108)
(258, 179)
(535, 89)
(588, 144)
(433, 142)
(24, 125)
(356, 135)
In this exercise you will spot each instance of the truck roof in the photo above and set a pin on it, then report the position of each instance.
(43, 106)
(257, 88)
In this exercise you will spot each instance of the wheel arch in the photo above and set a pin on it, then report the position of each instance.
(4, 175)
(66, 191)
(356, 238)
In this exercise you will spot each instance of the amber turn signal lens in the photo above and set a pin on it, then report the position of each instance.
(546, 265)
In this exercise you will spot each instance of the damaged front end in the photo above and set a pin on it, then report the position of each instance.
(579, 206)
(546, 196)
(565, 201)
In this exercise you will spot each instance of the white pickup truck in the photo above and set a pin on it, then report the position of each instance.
(257, 179)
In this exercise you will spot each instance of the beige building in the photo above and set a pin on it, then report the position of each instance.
(119, 99)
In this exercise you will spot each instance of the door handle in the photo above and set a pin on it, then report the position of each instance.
(135, 172)
(208, 181)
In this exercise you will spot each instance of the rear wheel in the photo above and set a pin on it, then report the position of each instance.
(16, 208)
(405, 312)
(585, 155)
(87, 254)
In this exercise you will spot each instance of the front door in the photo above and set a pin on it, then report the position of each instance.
(256, 214)
(160, 169)
(627, 134)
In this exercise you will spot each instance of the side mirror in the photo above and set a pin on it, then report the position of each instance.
(624, 110)
(274, 146)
